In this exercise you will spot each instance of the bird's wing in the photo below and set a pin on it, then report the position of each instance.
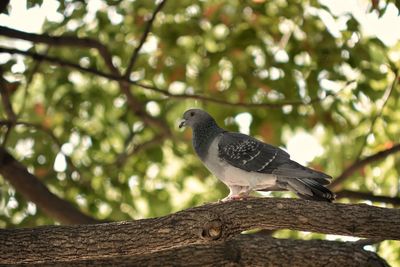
(247, 153)
(250, 154)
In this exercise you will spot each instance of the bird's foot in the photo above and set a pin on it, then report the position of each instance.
(234, 197)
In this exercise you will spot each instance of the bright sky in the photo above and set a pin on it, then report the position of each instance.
(384, 28)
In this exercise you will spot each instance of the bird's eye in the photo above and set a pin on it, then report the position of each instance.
(191, 114)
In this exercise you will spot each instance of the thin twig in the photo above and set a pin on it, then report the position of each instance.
(29, 81)
(367, 196)
(59, 41)
(286, 37)
(386, 95)
(5, 98)
(122, 158)
(64, 63)
(137, 106)
(74, 41)
(59, 62)
(336, 184)
(146, 32)
(6, 135)
(36, 126)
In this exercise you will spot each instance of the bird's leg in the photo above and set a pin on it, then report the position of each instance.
(236, 193)
(233, 193)
(244, 192)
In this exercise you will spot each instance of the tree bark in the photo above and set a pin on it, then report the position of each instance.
(246, 250)
(206, 224)
(34, 190)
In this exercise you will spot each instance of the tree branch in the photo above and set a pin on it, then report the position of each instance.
(29, 79)
(208, 224)
(247, 250)
(60, 62)
(3, 6)
(367, 196)
(32, 189)
(123, 157)
(337, 183)
(73, 41)
(146, 32)
(64, 63)
(135, 105)
(53, 137)
(5, 98)
(35, 126)
(385, 97)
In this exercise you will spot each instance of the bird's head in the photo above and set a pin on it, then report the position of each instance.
(194, 117)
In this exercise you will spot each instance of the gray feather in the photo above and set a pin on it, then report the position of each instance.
(310, 189)
(247, 153)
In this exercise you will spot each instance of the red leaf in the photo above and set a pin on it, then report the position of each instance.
(39, 109)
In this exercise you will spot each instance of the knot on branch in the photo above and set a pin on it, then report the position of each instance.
(212, 230)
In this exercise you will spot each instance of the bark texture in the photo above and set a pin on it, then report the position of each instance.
(247, 250)
(208, 224)
(34, 190)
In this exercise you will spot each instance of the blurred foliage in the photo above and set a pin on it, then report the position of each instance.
(247, 51)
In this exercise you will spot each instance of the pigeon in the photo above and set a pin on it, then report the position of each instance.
(245, 164)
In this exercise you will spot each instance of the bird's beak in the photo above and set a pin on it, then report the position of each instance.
(182, 123)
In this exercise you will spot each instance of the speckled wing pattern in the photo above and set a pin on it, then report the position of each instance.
(249, 154)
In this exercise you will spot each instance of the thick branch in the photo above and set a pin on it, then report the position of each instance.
(32, 189)
(337, 183)
(201, 225)
(248, 250)
(367, 196)
(146, 32)
(64, 63)
(50, 134)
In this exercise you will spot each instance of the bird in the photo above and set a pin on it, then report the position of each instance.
(245, 164)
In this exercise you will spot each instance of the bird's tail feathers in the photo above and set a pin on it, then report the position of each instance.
(310, 189)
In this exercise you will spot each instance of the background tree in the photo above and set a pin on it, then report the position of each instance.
(90, 102)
